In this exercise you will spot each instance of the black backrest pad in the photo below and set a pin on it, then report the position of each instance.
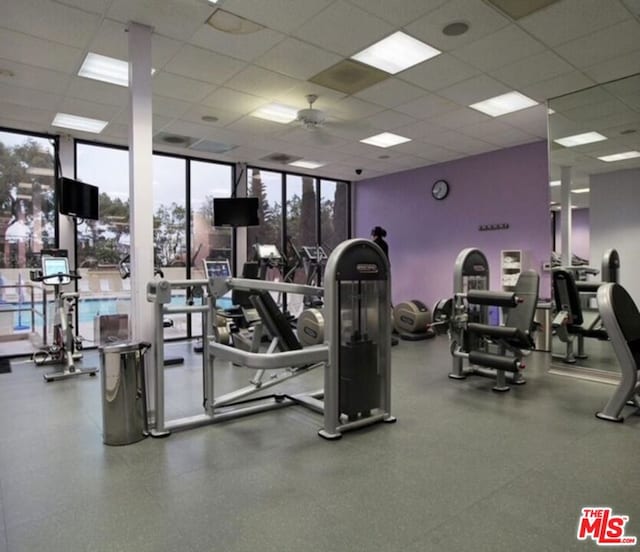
(566, 296)
(526, 290)
(241, 298)
(628, 318)
(276, 322)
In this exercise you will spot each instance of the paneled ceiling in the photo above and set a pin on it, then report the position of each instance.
(203, 72)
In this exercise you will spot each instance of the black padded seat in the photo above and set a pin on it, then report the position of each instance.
(566, 292)
(275, 321)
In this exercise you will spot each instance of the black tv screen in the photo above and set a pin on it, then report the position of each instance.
(235, 211)
(78, 199)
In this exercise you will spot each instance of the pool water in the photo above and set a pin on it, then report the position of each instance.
(90, 308)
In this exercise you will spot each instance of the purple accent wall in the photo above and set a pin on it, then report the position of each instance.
(580, 234)
(425, 235)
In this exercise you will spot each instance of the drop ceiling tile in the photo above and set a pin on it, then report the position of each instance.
(112, 40)
(27, 114)
(259, 81)
(601, 110)
(93, 6)
(615, 68)
(246, 154)
(168, 107)
(401, 13)
(297, 59)
(391, 93)
(101, 92)
(233, 100)
(116, 130)
(37, 78)
(173, 18)
(459, 118)
(439, 72)
(427, 106)
(557, 86)
(420, 129)
(203, 65)
(196, 112)
(182, 88)
(84, 108)
(282, 15)
(532, 120)
(28, 97)
(41, 53)
(495, 132)
(602, 45)
(319, 139)
(254, 125)
(482, 20)
(364, 151)
(353, 108)
(458, 142)
(570, 19)
(536, 68)
(246, 47)
(591, 96)
(501, 48)
(186, 128)
(49, 21)
(474, 90)
(428, 151)
(344, 28)
(389, 120)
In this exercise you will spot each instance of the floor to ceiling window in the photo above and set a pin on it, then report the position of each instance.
(334, 213)
(27, 226)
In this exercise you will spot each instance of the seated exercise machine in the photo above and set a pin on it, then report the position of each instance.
(65, 348)
(472, 338)
(622, 320)
(412, 321)
(355, 356)
(571, 321)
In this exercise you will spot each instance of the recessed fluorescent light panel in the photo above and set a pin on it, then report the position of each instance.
(554, 183)
(277, 113)
(580, 191)
(580, 139)
(550, 111)
(65, 120)
(396, 53)
(503, 104)
(385, 140)
(106, 69)
(307, 164)
(620, 156)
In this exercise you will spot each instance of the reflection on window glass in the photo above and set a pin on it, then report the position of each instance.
(27, 225)
(267, 187)
(301, 222)
(334, 213)
(208, 180)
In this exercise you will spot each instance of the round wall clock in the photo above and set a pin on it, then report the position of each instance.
(440, 189)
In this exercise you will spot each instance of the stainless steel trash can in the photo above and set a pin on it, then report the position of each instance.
(543, 320)
(124, 398)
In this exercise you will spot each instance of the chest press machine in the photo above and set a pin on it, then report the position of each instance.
(355, 356)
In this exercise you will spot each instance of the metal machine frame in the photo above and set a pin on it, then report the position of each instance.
(289, 363)
(616, 307)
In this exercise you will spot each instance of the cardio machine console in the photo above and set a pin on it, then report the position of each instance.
(217, 269)
(55, 271)
(268, 252)
(315, 253)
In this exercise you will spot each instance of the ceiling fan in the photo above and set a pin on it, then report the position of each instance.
(317, 121)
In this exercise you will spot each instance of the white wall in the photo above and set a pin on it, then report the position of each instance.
(615, 222)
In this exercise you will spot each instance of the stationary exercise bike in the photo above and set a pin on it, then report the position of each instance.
(65, 348)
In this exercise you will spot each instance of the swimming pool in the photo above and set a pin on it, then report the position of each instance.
(89, 308)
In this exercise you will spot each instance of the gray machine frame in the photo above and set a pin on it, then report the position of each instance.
(469, 333)
(625, 342)
(289, 364)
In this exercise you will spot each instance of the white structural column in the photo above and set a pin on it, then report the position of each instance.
(565, 215)
(66, 228)
(141, 189)
(241, 189)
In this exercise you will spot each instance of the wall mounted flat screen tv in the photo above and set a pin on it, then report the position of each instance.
(78, 199)
(235, 211)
